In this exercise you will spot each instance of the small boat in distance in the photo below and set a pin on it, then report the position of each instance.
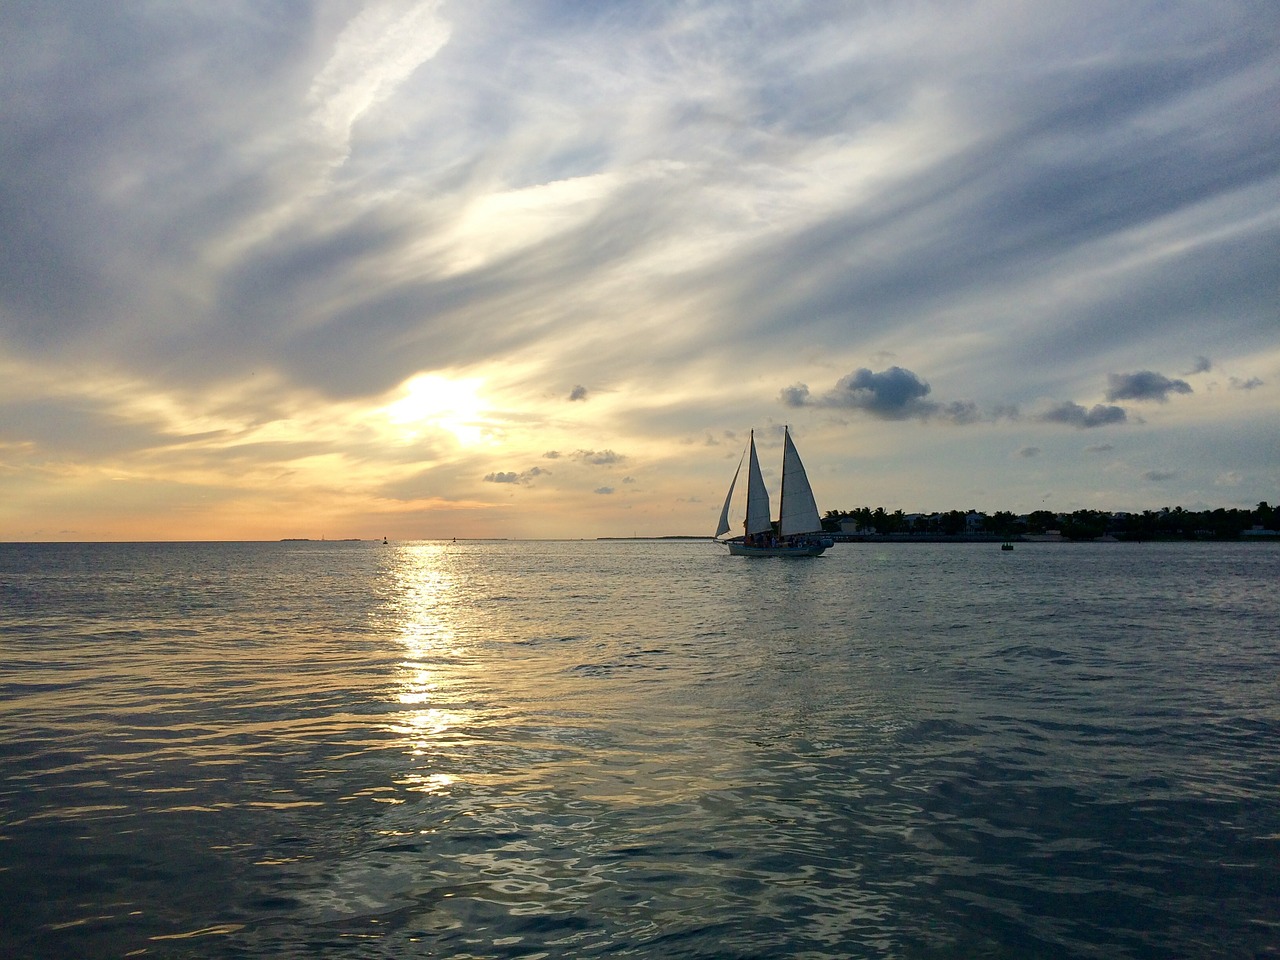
(799, 530)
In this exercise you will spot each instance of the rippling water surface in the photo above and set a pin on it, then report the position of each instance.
(639, 749)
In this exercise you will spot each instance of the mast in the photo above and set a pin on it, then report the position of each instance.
(782, 485)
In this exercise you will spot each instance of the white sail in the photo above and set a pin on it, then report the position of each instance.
(723, 527)
(758, 520)
(799, 509)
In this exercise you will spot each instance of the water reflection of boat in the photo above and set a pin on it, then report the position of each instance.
(798, 532)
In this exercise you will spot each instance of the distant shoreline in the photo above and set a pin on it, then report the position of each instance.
(839, 538)
(987, 538)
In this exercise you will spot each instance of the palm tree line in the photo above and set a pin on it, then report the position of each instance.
(1166, 523)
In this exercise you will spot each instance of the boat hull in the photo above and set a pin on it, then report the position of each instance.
(812, 548)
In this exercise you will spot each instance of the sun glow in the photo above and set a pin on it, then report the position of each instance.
(432, 401)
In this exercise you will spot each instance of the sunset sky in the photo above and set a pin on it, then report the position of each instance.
(521, 269)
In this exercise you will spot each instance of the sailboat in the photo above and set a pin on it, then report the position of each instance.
(799, 532)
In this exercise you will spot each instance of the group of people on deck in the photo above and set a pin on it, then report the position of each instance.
(772, 540)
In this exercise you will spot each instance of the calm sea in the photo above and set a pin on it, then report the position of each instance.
(639, 749)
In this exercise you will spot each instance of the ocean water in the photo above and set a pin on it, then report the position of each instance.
(639, 749)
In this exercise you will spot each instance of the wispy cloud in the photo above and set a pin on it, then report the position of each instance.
(377, 51)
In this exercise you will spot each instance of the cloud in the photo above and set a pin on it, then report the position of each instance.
(796, 395)
(961, 412)
(1159, 476)
(1073, 414)
(604, 491)
(376, 52)
(510, 476)
(1143, 385)
(892, 394)
(1251, 384)
(198, 198)
(598, 458)
(1201, 365)
(1028, 452)
(1099, 448)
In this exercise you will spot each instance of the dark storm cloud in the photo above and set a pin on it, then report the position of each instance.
(1143, 385)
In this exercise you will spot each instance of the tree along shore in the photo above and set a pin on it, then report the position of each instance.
(1167, 523)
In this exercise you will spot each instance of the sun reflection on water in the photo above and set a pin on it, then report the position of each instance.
(422, 609)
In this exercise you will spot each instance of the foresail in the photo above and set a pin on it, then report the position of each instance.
(723, 527)
(799, 510)
(758, 519)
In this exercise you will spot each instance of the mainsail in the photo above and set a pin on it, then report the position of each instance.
(799, 510)
(758, 520)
